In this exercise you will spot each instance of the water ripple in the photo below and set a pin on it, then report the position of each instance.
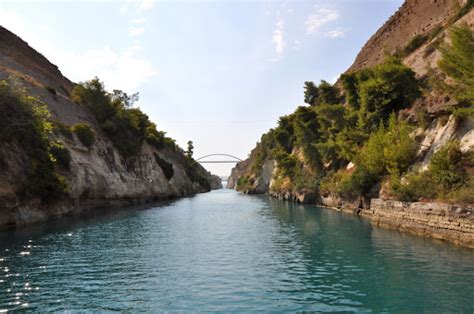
(223, 251)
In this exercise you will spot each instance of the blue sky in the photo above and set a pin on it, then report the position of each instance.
(219, 73)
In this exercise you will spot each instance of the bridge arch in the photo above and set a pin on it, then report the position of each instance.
(236, 159)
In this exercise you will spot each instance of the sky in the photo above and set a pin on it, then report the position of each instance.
(219, 73)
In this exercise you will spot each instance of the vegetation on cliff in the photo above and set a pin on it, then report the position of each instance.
(352, 138)
(127, 127)
(26, 124)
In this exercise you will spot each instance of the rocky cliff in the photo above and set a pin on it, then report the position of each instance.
(300, 172)
(97, 175)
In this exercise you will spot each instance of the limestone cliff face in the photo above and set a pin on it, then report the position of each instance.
(414, 17)
(99, 175)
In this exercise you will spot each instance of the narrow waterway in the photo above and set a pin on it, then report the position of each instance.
(224, 251)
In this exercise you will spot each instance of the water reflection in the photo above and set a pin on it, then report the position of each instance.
(224, 251)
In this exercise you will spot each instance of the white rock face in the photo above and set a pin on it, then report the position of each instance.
(438, 134)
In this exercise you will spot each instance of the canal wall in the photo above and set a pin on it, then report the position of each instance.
(447, 222)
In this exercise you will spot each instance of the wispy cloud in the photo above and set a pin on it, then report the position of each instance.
(145, 5)
(336, 33)
(319, 18)
(278, 37)
(119, 68)
(139, 21)
(136, 31)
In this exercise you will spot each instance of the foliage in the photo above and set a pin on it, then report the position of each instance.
(359, 183)
(449, 176)
(388, 150)
(127, 100)
(244, 183)
(324, 93)
(391, 86)
(26, 122)
(286, 163)
(458, 62)
(62, 129)
(128, 128)
(190, 149)
(84, 133)
(462, 10)
(414, 44)
(60, 154)
(165, 166)
(313, 145)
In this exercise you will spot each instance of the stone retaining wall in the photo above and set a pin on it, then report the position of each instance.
(452, 223)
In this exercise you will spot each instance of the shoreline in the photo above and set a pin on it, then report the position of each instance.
(451, 223)
(35, 214)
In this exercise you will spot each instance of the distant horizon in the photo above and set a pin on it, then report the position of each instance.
(186, 58)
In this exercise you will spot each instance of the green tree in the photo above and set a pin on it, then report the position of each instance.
(458, 62)
(391, 86)
(127, 100)
(310, 92)
(190, 149)
(324, 93)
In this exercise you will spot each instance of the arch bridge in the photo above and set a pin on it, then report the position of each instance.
(218, 161)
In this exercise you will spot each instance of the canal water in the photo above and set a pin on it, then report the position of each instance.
(224, 251)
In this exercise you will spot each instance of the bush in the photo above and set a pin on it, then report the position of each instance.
(447, 177)
(359, 183)
(447, 167)
(325, 93)
(389, 149)
(62, 129)
(126, 127)
(390, 87)
(25, 122)
(60, 154)
(244, 183)
(165, 166)
(84, 133)
(458, 63)
(414, 44)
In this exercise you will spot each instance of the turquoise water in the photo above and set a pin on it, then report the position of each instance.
(223, 251)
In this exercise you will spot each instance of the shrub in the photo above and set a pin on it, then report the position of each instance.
(324, 93)
(390, 87)
(458, 62)
(244, 183)
(286, 163)
(126, 127)
(25, 121)
(447, 177)
(389, 149)
(447, 167)
(84, 133)
(359, 183)
(462, 10)
(62, 129)
(165, 166)
(414, 44)
(60, 154)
